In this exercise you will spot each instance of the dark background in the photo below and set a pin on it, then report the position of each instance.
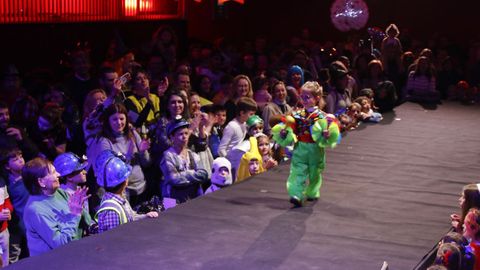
(30, 45)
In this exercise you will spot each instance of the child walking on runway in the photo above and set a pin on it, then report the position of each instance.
(311, 130)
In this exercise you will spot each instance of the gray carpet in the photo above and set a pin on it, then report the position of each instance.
(387, 195)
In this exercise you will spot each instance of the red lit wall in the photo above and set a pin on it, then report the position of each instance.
(48, 11)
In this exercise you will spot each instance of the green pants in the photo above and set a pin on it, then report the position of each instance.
(308, 162)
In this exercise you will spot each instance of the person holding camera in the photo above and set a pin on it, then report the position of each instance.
(143, 106)
(112, 174)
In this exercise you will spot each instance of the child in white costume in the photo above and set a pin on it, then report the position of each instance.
(221, 174)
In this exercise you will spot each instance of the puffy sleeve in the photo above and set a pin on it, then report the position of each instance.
(330, 124)
(289, 138)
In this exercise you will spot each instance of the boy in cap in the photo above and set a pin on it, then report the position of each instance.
(113, 175)
(183, 177)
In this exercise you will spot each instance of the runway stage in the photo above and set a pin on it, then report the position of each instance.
(387, 195)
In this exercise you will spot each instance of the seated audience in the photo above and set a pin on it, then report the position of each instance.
(52, 217)
(366, 112)
(421, 83)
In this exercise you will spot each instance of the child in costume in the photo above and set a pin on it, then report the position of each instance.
(221, 176)
(265, 150)
(254, 126)
(251, 163)
(311, 130)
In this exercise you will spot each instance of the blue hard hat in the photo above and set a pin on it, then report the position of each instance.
(111, 169)
(176, 124)
(68, 163)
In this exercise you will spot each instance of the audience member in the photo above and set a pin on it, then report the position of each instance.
(339, 97)
(265, 149)
(113, 174)
(183, 178)
(143, 106)
(6, 209)
(278, 105)
(366, 112)
(80, 82)
(12, 163)
(236, 129)
(73, 175)
(261, 94)
(450, 256)
(242, 87)
(295, 81)
(470, 198)
(49, 132)
(391, 50)
(421, 86)
(221, 176)
(119, 136)
(254, 126)
(217, 125)
(251, 162)
(13, 136)
(52, 217)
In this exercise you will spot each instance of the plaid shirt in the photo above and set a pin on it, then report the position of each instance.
(109, 219)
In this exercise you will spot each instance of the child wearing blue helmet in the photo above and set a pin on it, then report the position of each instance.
(72, 172)
(112, 175)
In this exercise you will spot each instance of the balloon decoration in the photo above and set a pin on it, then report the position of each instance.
(349, 15)
(376, 33)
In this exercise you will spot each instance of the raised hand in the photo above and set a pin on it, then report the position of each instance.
(15, 132)
(76, 200)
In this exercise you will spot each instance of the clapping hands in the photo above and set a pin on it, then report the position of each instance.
(76, 200)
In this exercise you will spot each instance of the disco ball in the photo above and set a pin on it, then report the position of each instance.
(349, 15)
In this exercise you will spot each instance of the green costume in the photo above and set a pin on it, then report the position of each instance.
(311, 131)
